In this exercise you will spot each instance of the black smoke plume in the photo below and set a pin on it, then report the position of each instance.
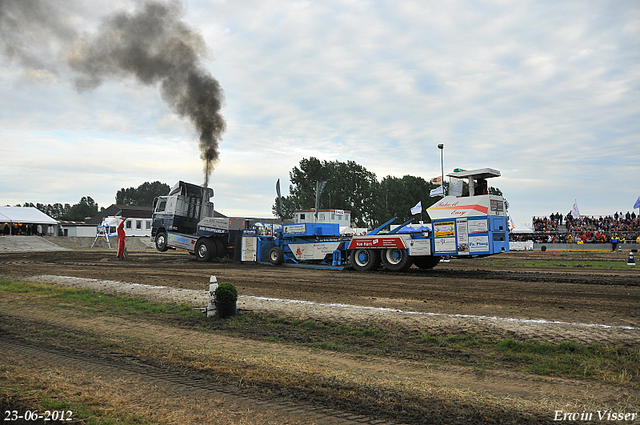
(151, 44)
(31, 32)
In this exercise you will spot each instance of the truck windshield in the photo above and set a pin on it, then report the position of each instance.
(162, 204)
(456, 187)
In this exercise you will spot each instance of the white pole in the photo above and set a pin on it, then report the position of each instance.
(441, 147)
(211, 307)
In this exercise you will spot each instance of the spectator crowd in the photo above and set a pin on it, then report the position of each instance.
(614, 228)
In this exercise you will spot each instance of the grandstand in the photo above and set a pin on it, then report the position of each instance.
(612, 231)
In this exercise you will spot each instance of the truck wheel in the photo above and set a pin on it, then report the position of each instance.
(364, 260)
(396, 259)
(205, 250)
(276, 256)
(161, 242)
(221, 250)
(426, 262)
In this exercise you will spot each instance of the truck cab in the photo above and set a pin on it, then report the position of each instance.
(470, 221)
(184, 220)
(182, 209)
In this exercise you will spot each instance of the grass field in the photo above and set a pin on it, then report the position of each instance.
(562, 264)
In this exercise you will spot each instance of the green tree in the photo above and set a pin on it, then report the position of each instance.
(396, 196)
(143, 195)
(86, 208)
(288, 207)
(56, 211)
(349, 187)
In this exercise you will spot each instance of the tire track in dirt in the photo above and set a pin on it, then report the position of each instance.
(189, 385)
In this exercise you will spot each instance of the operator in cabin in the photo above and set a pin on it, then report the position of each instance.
(481, 187)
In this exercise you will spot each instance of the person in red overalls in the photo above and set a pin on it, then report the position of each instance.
(121, 236)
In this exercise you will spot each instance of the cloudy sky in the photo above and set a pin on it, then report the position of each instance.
(547, 92)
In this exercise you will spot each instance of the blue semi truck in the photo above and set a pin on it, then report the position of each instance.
(468, 222)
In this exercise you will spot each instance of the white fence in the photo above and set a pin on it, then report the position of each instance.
(521, 246)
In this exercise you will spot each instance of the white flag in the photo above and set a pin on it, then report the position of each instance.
(417, 209)
(575, 212)
(437, 191)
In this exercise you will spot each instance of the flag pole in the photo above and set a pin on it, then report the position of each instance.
(441, 147)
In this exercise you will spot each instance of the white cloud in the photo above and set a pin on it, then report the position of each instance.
(545, 92)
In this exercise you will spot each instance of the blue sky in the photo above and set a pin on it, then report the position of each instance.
(546, 92)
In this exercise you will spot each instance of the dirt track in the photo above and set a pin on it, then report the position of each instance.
(575, 297)
(471, 287)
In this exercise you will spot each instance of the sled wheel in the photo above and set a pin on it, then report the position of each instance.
(396, 259)
(276, 256)
(364, 260)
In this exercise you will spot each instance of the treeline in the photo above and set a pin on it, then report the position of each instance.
(141, 196)
(86, 208)
(352, 187)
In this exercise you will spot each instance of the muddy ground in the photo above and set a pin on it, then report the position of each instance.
(482, 297)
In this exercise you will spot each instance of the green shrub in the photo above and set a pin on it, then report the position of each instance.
(226, 292)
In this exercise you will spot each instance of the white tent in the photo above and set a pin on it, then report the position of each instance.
(17, 218)
(522, 229)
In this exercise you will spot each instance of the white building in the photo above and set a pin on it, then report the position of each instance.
(77, 229)
(341, 217)
(137, 227)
